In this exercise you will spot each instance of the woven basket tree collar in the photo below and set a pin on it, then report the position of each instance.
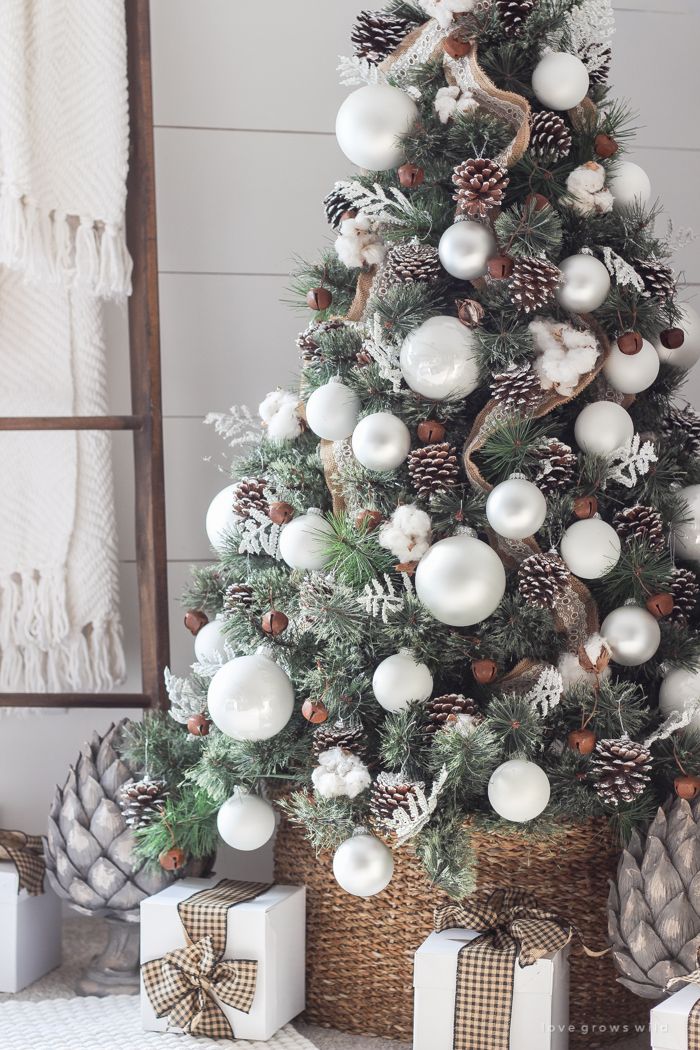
(26, 852)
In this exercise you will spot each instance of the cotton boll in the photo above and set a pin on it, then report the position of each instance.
(588, 194)
(279, 413)
(358, 244)
(340, 773)
(446, 102)
(407, 533)
(565, 354)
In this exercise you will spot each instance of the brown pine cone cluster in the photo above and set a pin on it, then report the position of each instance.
(249, 495)
(376, 34)
(308, 340)
(514, 14)
(533, 283)
(349, 737)
(442, 710)
(620, 769)
(480, 186)
(557, 467)
(390, 791)
(550, 137)
(408, 263)
(517, 389)
(142, 800)
(542, 579)
(659, 279)
(238, 596)
(686, 591)
(682, 423)
(433, 468)
(641, 523)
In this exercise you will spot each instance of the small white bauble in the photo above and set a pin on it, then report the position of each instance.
(687, 535)
(332, 411)
(303, 541)
(519, 790)
(363, 865)
(438, 359)
(246, 821)
(460, 581)
(633, 635)
(516, 508)
(465, 249)
(631, 373)
(210, 642)
(602, 427)
(586, 284)
(688, 353)
(560, 80)
(400, 680)
(590, 548)
(250, 698)
(220, 518)
(381, 441)
(678, 687)
(629, 185)
(370, 123)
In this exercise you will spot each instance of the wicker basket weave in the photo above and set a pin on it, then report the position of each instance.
(360, 952)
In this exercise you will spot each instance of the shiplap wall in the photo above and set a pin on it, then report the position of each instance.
(244, 112)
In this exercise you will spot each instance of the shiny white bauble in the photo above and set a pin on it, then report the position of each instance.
(460, 581)
(633, 635)
(586, 284)
(381, 441)
(602, 427)
(210, 642)
(303, 541)
(631, 373)
(560, 80)
(245, 821)
(250, 698)
(465, 249)
(220, 518)
(332, 411)
(363, 865)
(590, 548)
(688, 354)
(686, 536)
(677, 689)
(519, 790)
(400, 680)
(629, 185)
(438, 359)
(516, 508)
(370, 124)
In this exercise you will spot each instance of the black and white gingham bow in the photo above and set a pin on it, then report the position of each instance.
(26, 852)
(694, 1014)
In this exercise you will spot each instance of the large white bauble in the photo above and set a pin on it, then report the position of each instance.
(332, 411)
(687, 535)
(602, 427)
(465, 249)
(220, 518)
(631, 373)
(560, 80)
(629, 184)
(519, 790)
(516, 508)
(381, 441)
(633, 635)
(210, 642)
(688, 354)
(677, 688)
(250, 698)
(303, 541)
(460, 581)
(399, 680)
(438, 359)
(246, 821)
(590, 548)
(363, 865)
(370, 123)
(586, 284)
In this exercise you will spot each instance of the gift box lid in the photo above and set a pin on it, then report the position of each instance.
(435, 963)
(669, 1019)
(182, 889)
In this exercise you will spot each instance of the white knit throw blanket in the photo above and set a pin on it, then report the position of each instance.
(63, 165)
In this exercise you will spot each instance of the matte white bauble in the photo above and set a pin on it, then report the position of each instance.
(220, 518)
(363, 865)
(303, 541)
(460, 581)
(465, 249)
(602, 427)
(519, 790)
(381, 441)
(560, 80)
(677, 689)
(516, 508)
(246, 821)
(250, 698)
(210, 642)
(332, 411)
(631, 373)
(370, 124)
(586, 284)
(438, 359)
(590, 548)
(629, 185)
(688, 353)
(400, 680)
(633, 635)
(687, 535)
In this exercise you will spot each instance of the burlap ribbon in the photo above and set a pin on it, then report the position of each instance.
(26, 852)
(694, 1015)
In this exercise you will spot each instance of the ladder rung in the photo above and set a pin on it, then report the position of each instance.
(71, 422)
(114, 700)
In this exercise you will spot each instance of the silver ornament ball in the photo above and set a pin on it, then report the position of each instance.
(220, 518)
(630, 185)
(332, 411)
(688, 353)
(438, 359)
(686, 536)
(363, 865)
(560, 80)
(678, 688)
(602, 427)
(246, 822)
(516, 509)
(590, 548)
(381, 441)
(370, 124)
(631, 373)
(460, 581)
(400, 680)
(633, 635)
(519, 790)
(465, 249)
(250, 698)
(303, 542)
(586, 284)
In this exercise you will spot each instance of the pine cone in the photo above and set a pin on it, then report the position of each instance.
(686, 591)
(249, 495)
(518, 389)
(683, 424)
(534, 283)
(433, 468)
(238, 596)
(558, 465)
(408, 263)
(390, 791)
(641, 523)
(659, 279)
(542, 578)
(481, 186)
(514, 14)
(339, 734)
(550, 138)
(336, 204)
(441, 710)
(376, 34)
(599, 75)
(308, 343)
(142, 800)
(621, 770)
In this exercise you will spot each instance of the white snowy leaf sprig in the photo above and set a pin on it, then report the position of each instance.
(631, 461)
(353, 70)
(621, 270)
(381, 599)
(405, 825)
(257, 534)
(588, 30)
(547, 691)
(238, 427)
(675, 721)
(385, 354)
(186, 699)
(390, 207)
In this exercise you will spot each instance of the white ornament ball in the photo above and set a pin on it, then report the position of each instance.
(560, 80)
(399, 680)
(688, 354)
(381, 441)
(370, 123)
(629, 185)
(363, 865)
(245, 821)
(687, 535)
(586, 284)
(633, 635)
(631, 373)
(332, 411)
(250, 698)
(210, 642)
(516, 508)
(465, 249)
(519, 790)
(303, 541)
(438, 359)
(678, 687)
(590, 548)
(602, 427)
(460, 581)
(220, 518)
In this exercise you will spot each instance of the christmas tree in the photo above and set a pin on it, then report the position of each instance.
(455, 576)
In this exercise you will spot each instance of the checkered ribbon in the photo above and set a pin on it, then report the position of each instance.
(26, 852)
(694, 1015)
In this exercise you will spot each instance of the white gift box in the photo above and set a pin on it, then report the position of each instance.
(30, 932)
(669, 1020)
(540, 1014)
(270, 929)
